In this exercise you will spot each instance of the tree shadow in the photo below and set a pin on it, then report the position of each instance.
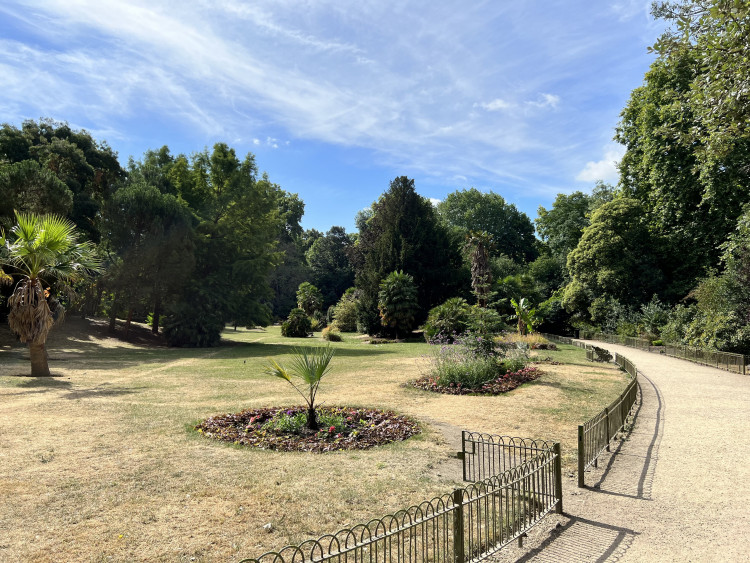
(56, 382)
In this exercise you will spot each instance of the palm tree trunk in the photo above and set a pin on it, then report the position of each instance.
(39, 365)
(312, 419)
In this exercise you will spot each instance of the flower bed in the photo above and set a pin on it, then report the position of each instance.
(497, 386)
(279, 428)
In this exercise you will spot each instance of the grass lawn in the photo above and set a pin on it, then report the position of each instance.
(100, 463)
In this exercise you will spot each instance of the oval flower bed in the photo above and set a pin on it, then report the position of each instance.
(502, 384)
(284, 428)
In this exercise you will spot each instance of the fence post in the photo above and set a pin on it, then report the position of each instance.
(558, 477)
(463, 452)
(580, 457)
(458, 526)
(606, 417)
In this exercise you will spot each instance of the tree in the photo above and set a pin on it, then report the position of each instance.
(88, 169)
(330, 268)
(309, 298)
(471, 210)
(345, 311)
(616, 257)
(403, 234)
(479, 246)
(525, 316)
(397, 301)
(41, 250)
(238, 221)
(310, 365)
(687, 137)
(150, 234)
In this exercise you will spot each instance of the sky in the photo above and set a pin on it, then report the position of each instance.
(337, 98)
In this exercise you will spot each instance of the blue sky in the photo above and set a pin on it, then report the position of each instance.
(337, 98)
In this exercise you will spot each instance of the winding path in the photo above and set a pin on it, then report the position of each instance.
(677, 488)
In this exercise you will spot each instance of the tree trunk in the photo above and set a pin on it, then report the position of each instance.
(312, 419)
(113, 315)
(156, 315)
(127, 323)
(39, 365)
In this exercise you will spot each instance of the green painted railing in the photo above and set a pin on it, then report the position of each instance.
(596, 434)
(737, 363)
(465, 525)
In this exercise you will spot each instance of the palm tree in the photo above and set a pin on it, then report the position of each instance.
(309, 365)
(40, 249)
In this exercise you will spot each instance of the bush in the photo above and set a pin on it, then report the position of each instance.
(331, 333)
(657, 343)
(345, 311)
(466, 363)
(298, 325)
(448, 320)
(192, 326)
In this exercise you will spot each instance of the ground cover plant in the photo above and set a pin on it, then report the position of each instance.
(102, 462)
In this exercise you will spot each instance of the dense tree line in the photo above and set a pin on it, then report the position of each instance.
(193, 242)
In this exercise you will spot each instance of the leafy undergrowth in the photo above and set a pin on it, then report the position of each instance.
(279, 428)
(503, 384)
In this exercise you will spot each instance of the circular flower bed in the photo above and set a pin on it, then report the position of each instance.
(284, 428)
(502, 384)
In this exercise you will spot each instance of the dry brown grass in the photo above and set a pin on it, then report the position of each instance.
(100, 463)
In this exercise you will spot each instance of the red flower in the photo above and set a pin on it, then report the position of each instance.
(332, 428)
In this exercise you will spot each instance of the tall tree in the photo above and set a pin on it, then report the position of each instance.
(238, 221)
(617, 257)
(686, 134)
(404, 234)
(330, 267)
(41, 250)
(511, 230)
(88, 169)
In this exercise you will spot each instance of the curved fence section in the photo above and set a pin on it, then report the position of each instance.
(466, 525)
(737, 363)
(595, 435)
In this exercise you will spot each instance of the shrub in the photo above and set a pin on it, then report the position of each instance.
(448, 320)
(331, 333)
(192, 326)
(466, 362)
(298, 325)
(657, 343)
(397, 301)
(345, 311)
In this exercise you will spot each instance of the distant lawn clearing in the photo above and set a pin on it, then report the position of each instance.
(102, 462)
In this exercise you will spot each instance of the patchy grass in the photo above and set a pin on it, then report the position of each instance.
(101, 462)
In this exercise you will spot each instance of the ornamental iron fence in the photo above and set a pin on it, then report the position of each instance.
(728, 361)
(466, 525)
(595, 435)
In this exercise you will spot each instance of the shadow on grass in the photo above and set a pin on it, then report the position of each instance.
(44, 384)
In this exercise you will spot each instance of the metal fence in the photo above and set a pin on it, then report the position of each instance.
(466, 525)
(557, 339)
(595, 435)
(728, 361)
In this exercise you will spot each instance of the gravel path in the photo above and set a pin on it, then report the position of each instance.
(677, 488)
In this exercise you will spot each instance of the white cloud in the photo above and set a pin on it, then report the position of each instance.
(495, 105)
(545, 101)
(256, 142)
(434, 201)
(604, 169)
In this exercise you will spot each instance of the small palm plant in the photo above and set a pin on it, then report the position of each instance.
(526, 316)
(309, 365)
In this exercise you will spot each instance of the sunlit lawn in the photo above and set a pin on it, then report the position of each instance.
(101, 462)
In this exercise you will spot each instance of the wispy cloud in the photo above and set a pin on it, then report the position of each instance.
(545, 101)
(448, 93)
